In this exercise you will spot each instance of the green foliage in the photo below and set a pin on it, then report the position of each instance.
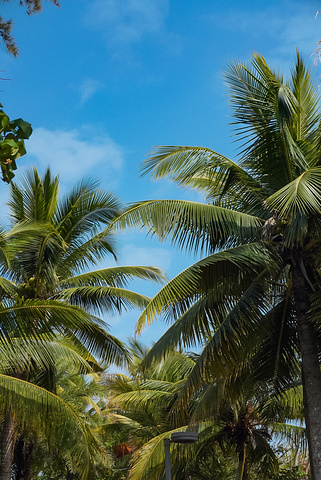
(291, 473)
(49, 334)
(242, 303)
(12, 147)
(150, 404)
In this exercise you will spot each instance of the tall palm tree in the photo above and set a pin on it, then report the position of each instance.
(259, 285)
(45, 289)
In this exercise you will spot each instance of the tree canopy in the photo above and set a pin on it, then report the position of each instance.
(255, 297)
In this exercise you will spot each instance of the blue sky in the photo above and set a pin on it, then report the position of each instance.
(102, 81)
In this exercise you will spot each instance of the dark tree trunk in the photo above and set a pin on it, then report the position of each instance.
(244, 474)
(23, 456)
(70, 475)
(7, 445)
(311, 375)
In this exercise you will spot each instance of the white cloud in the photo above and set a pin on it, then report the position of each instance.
(88, 88)
(73, 155)
(127, 21)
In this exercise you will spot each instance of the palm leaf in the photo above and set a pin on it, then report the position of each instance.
(83, 210)
(238, 263)
(23, 354)
(114, 276)
(31, 319)
(150, 458)
(192, 225)
(36, 199)
(302, 195)
(103, 299)
(186, 165)
(33, 404)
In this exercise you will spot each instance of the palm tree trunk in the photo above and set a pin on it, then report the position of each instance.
(7, 445)
(23, 457)
(311, 375)
(70, 475)
(244, 475)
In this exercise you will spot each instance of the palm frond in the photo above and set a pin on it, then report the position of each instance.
(32, 404)
(85, 252)
(145, 399)
(23, 354)
(269, 116)
(84, 209)
(114, 276)
(239, 264)
(7, 287)
(36, 199)
(307, 117)
(103, 299)
(188, 165)
(302, 195)
(35, 318)
(192, 225)
(286, 405)
(150, 457)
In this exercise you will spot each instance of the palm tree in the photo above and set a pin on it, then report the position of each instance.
(138, 410)
(39, 371)
(45, 291)
(235, 423)
(80, 390)
(259, 285)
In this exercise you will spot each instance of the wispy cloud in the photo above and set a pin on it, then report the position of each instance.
(127, 21)
(88, 88)
(280, 31)
(72, 156)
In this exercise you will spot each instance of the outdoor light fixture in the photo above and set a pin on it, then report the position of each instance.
(177, 437)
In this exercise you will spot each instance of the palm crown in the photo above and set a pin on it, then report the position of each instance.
(47, 302)
(253, 294)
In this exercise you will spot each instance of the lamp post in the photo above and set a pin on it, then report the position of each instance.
(177, 437)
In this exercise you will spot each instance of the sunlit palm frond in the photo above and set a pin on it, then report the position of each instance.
(35, 318)
(144, 399)
(118, 276)
(149, 459)
(103, 299)
(36, 199)
(186, 164)
(239, 264)
(302, 195)
(33, 404)
(117, 383)
(25, 355)
(7, 287)
(175, 367)
(83, 210)
(269, 117)
(192, 225)
(307, 118)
